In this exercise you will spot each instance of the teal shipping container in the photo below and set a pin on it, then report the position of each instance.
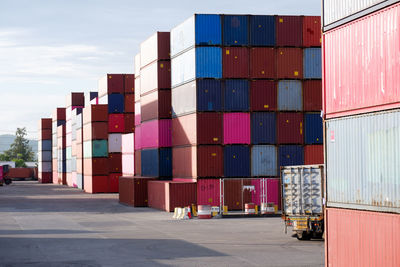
(95, 149)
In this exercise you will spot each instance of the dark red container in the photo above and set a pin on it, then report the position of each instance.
(312, 31)
(234, 196)
(116, 123)
(290, 128)
(96, 184)
(263, 96)
(45, 134)
(95, 131)
(96, 166)
(129, 106)
(235, 62)
(313, 154)
(156, 105)
(289, 31)
(133, 191)
(210, 161)
(75, 99)
(163, 45)
(138, 162)
(115, 83)
(115, 162)
(45, 177)
(95, 113)
(164, 74)
(113, 179)
(59, 114)
(209, 128)
(312, 95)
(129, 120)
(262, 62)
(289, 62)
(20, 172)
(45, 124)
(129, 84)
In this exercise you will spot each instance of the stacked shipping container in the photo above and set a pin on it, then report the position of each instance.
(58, 119)
(45, 151)
(361, 106)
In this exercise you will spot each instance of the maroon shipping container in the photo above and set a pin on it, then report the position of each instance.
(289, 62)
(113, 179)
(263, 96)
(112, 83)
(20, 173)
(289, 31)
(312, 95)
(133, 191)
(312, 31)
(184, 162)
(235, 62)
(262, 62)
(129, 122)
(45, 177)
(167, 195)
(156, 105)
(138, 162)
(129, 84)
(156, 47)
(45, 134)
(313, 154)
(59, 114)
(210, 161)
(115, 162)
(45, 124)
(361, 238)
(95, 131)
(290, 128)
(95, 113)
(96, 184)
(234, 196)
(116, 123)
(75, 99)
(96, 166)
(129, 106)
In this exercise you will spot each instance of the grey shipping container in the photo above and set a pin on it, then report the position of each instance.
(363, 162)
(264, 160)
(290, 95)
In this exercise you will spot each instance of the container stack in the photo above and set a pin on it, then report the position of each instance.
(362, 122)
(45, 151)
(58, 120)
(137, 144)
(62, 154)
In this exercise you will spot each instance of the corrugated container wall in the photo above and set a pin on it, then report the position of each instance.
(289, 31)
(290, 95)
(235, 30)
(263, 95)
(312, 63)
(262, 30)
(237, 161)
(236, 95)
(263, 161)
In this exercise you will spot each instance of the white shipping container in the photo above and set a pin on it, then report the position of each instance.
(183, 68)
(138, 90)
(149, 50)
(183, 36)
(103, 86)
(184, 99)
(137, 66)
(149, 78)
(115, 143)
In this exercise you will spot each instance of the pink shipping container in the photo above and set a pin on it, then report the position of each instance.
(361, 238)
(138, 118)
(138, 138)
(362, 64)
(156, 133)
(208, 192)
(267, 190)
(128, 164)
(236, 128)
(128, 143)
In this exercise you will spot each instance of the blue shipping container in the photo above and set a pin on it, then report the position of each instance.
(263, 128)
(209, 95)
(236, 95)
(290, 95)
(262, 30)
(62, 166)
(236, 30)
(291, 155)
(237, 161)
(208, 29)
(313, 128)
(157, 162)
(60, 122)
(115, 103)
(45, 145)
(93, 95)
(312, 63)
(264, 161)
(100, 148)
(208, 62)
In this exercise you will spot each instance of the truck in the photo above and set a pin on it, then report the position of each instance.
(4, 178)
(303, 200)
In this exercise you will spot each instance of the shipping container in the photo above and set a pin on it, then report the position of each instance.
(44, 145)
(362, 57)
(208, 192)
(138, 138)
(289, 63)
(237, 161)
(264, 161)
(115, 162)
(128, 164)
(235, 30)
(184, 164)
(209, 95)
(262, 30)
(95, 131)
(262, 62)
(138, 89)
(236, 128)
(156, 133)
(113, 179)
(235, 62)
(362, 162)
(313, 128)
(129, 103)
(361, 238)
(116, 123)
(129, 84)
(183, 99)
(95, 149)
(313, 154)
(110, 84)
(156, 105)
(290, 95)
(138, 162)
(129, 123)
(156, 162)
(116, 103)
(312, 31)
(289, 31)
(96, 166)
(312, 63)
(138, 112)
(234, 195)
(45, 123)
(127, 143)
(210, 161)
(267, 190)
(94, 113)
(156, 47)
(291, 155)
(155, 76)
(312, 95)
(96, 184)
(236, 95)
(133, 191)
(263, 95)
(263, 128)
(290, 128)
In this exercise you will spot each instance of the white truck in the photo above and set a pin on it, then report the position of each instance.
(303, 200)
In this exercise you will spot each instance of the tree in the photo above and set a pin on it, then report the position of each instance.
(20, 149)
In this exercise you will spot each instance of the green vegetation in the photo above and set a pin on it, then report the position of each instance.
(19, 151)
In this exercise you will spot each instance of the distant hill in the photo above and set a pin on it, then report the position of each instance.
(7, 139)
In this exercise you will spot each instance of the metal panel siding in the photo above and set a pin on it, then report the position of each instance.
(150, 162)
(290, 128)
(149, 106)
(183, 99)
(235, 30)
(208, 192)
(289, 62)
(264, 161)
(290, 95)
(262, 30)
(116, 123)
(115, 143)
(312, 31)
(209, 95)
(128, 164)
(363, 162)
(180, 194)
(156, 133)
(263, 95)
(138, 117)
(312, 95)
(262, 62)
(138, 90)
(236, 95)
(184, 162)
(156, 47)
(165, 162)
(289, 31)
(312, 63)
(116, 103)
(237, 161)
(235, 62)
(208, 62)
(263, 128)
(210, 161)
(183, 36)
(349, 240)
(313, 128)
(208, 29)
(362, 65)
(291, 155)
(209, 128)
(183, 67)
(313, 154)
(237, 128)
(149, 78)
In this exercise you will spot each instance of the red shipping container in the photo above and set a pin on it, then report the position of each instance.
(45, 177)
(93, 113)
(45, 124)
(133, 191)
(290, 128)
(129, 122)
(167, 195)
(262, 62)
(95, 131)
(156, 105)
(312, 95)
(313, 154)
(45, 134)
(263, 96)
(115, 162)
(112, 83)
(75, 100)
(312, 31)
(96, 184)
(184, 162)
(156, 47)
(129, 106)
(361, 238)
(210, 161)
(59, 114)
(20, 173)
(96, 166)
(113, 179)
(235, 62)
(116, 123)
(129, 84)
(289, 63)
(138, 162)
(362, 64)
(289, 30)
(208, 192)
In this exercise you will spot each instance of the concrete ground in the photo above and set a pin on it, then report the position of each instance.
(50, 225)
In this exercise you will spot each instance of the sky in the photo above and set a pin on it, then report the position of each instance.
(49, 48)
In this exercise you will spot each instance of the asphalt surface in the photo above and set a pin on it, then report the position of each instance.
(50, 225)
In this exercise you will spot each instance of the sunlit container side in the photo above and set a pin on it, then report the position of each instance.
(208, 192)
(290, 95)
(156, 105)
(116, 103)
(264, 161)
(184, 130)
(138, 137)
(291, 155)
(313, 154)
(138, 89)
(235, 62)
(138, 162)
(184, 164)
(363, 163)
(199, 29)
(236, 95)
(289, 63)
(349, 240)
(156, 47)
(290, 128)
(312, 95)
(200, 62)
(210, 161)
(209, 95)
(155, 76)
(128, 141)
(128, 164)
(235, 30)
(313, 128)
(262, 62)
(363, 57)
(289, 31)
(183, 99)
(156, 133)
(156, 162)
(312, 31)
(262, 30)
(312, 63)
(111, 83)
(263, 128)
(96, 184)
(138, 112)
(236, 128)
(237, 161)
(263, 95)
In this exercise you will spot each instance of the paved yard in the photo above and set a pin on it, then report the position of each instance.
(49, 225)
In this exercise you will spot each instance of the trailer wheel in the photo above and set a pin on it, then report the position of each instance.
(7, 181)
(318, 235)
(303, 235)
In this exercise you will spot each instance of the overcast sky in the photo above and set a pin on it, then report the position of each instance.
(49, 48)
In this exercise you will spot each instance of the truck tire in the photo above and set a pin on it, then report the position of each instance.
(303, 235)
(7, 181)
(318, 235)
